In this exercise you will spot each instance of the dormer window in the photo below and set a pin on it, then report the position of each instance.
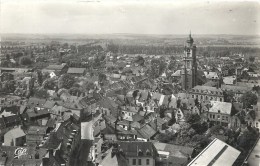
(148, 153)
(140, 153)
(218, 111)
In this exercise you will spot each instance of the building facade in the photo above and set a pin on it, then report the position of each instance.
(139, 153)
(205, 93)
(220, 112)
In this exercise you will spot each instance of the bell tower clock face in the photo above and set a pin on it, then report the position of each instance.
(188, 52)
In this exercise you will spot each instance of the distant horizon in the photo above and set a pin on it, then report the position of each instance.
(162, 34)
(130, 17)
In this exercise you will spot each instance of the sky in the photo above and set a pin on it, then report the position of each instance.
(130, 16)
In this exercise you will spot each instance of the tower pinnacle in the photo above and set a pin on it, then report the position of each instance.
(190, 40)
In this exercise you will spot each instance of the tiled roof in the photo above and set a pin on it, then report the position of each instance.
(146, 132)
(87, 101)
(132, 109)
(14, 120)
(37, 130)
(115, 160)
(33, 139)
(207, 88)
(51, 122)
(14, 109)
(137, 118)
(52, 142)
(55, 67)
(33, 101)
(107, 103)
(27, 158)
(72, 70)
(84, 150)
(49, 104)
(159, 122)
(36, 113)
(54, 160)
(110, 118)
(235, 88)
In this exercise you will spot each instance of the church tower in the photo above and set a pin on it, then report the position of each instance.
(189, 69)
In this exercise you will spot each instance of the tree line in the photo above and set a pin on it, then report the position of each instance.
(171, 49)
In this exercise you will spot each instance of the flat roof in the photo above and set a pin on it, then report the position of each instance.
(217, 153)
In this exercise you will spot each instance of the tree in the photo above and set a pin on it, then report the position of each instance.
(9, 86)
(7, 57)
(172, 120)
(256, 89)
(39, 77)
(157, 67)
(102, 77)
(200, 140)
(75, 90)
(251, 59)
(140, 60)
(173, 58)
(49, 84)
(65, 46)
(6, 76)
(172, 65)
(248, 99)
(231, 71)
(185, 134)
(25, 60)
(192, 118)
(178, 103)
(162, 111)
(196, 102)
(66, 81)
(228, 96)
(165, 137)
(110, 69)
(245, 75)
(5, 63)
(41, 93)
(135, 93)
(200, 128)
(88, 85)
(246, 140)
